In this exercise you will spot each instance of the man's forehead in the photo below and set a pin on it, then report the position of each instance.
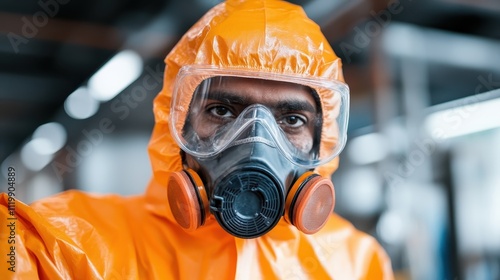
(250, 91)
(254, 84)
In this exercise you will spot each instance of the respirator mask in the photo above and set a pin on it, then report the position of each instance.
(250, 143)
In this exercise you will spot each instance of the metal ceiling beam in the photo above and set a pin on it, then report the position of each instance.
(346, 16)
(20, 29)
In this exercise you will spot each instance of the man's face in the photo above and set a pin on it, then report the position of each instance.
(293, 106)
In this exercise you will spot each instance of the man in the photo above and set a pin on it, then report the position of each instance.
(250, 120)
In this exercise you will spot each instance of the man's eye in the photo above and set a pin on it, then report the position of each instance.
(221, 111)
(292, 121)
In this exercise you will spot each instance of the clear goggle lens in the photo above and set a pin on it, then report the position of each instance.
(214, 109)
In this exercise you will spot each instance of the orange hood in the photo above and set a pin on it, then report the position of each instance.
(268, 36)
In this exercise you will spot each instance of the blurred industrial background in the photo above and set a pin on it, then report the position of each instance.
(420, 171)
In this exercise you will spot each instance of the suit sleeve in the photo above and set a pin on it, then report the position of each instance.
(36, 249)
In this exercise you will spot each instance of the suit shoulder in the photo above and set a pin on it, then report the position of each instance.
(76, 208)
(369, 259)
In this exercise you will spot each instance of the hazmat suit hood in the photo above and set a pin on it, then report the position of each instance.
(266, 36)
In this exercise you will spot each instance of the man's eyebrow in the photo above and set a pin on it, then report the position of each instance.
(295, 105)
(227, 97)
(285, 105)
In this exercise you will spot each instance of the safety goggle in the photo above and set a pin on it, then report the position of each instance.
(213, 109)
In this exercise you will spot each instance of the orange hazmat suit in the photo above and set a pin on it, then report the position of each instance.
(75, 235)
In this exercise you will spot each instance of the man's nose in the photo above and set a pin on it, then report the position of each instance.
(258, 129)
